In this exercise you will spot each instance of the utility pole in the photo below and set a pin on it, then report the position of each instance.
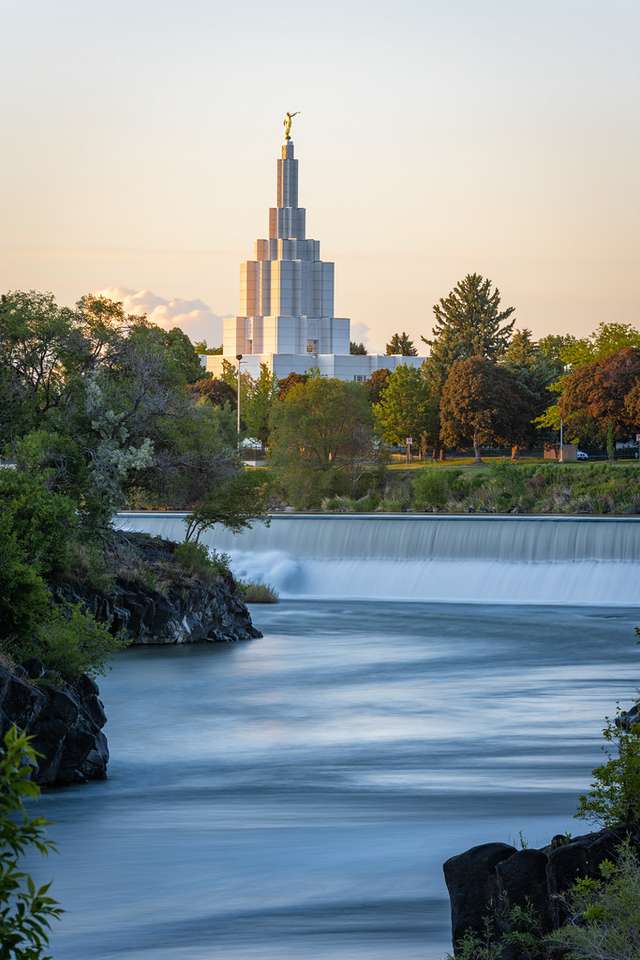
(238, 358)
(561, 441)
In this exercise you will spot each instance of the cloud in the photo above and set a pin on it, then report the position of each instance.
(360, 333)
(195, 317)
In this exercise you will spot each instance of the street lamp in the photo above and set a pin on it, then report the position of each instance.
(239, 359)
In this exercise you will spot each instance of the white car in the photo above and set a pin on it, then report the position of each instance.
(581, 455)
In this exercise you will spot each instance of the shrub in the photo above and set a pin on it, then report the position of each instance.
(604, 913)
(257, 592)
(201, 561)
(71, 642)
(431, 489)
(26, 911)
(614, 797)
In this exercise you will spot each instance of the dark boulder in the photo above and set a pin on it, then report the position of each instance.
(65, 723)
(472, 884)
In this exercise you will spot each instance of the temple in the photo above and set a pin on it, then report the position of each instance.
(287, 300)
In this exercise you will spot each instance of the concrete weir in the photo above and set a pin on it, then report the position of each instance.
(409, 557)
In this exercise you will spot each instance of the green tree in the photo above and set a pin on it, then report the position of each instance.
(322, 438)
(26, 911)
(402, 409)
(401, 345)
(357, 349)
(215, 391)
(237, 503)
(470, 322)
(291, 380)
(261, 398)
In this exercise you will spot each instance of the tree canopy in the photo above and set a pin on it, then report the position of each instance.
(401, 345)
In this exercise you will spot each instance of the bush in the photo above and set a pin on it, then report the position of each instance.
(201, 561)
(71, 642)
(26, 911)
(431, 488)
(614, 797)
(604, 913)
(257, 592)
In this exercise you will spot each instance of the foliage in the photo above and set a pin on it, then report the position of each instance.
(236, 502)
(403, 407)
(215, 391)
(432, 488)
(378, 383)
(614, 797)
(604, 913)
(510, 932)
(470, 323)
(401, 345)
(322, 439)
(357, 349)
(71, 642)
(290, 381)
(260, 401)
(257, 592)
(483, 403)
(26, 911)
(597, 392)
(199, 561)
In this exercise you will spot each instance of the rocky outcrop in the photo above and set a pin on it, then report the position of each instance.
(65, 722)
(490, 878)
(155, 601)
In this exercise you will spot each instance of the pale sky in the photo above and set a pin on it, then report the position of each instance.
(138, 142)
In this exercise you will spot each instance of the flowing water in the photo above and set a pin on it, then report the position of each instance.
(295, 796)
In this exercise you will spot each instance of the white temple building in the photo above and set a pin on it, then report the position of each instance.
(286, 300)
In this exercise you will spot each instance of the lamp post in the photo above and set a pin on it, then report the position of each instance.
(561, 458)
(238, 358)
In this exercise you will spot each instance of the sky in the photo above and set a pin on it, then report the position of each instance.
(437, 137)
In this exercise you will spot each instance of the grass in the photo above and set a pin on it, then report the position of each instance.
(257, 592)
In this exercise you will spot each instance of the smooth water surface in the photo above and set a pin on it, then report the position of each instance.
(294, 797)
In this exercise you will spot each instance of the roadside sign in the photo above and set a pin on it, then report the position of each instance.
(409, 441)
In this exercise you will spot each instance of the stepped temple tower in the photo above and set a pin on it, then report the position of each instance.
(287, 298)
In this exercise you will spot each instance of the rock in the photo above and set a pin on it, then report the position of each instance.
(168, 605)
(472, 884)
(522, 879)
(65, 723)
(494, 877)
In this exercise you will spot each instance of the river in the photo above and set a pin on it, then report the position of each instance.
(294, 797)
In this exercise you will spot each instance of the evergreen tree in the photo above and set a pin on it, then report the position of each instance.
(470, 323)
(401, 345)
(357, 349)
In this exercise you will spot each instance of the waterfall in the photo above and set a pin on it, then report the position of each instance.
(491, 559)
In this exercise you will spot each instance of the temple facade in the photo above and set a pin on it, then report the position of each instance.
(286, 315)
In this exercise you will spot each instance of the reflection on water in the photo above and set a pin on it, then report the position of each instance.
(295, 797)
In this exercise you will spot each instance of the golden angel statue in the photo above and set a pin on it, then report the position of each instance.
(288, 117)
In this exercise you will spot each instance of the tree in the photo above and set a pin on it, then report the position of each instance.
(357, 349)
(236, 503)
(535, 370)
(291, 380)
(597, 393)
(215, 391)
(482, 403)
(26, 911)
(261, 397)
(401, 345)
(377, 383)
(470, 323)
(201, 347)
(321, 438)
(402, 409)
